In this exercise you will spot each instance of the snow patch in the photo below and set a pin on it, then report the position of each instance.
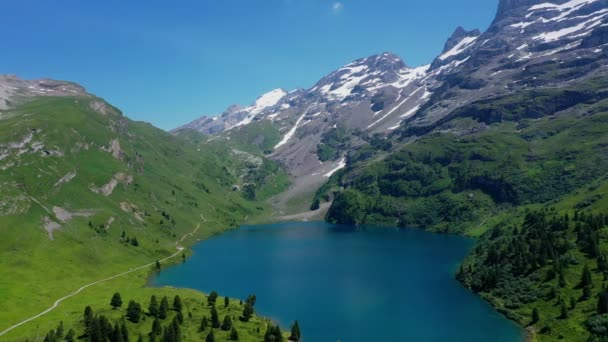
(341, 165)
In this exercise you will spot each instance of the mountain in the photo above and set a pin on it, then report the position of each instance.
(530, 44)
(501, 137)
(88, 194)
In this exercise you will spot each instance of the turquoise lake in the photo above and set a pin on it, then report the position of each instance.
(345, 283)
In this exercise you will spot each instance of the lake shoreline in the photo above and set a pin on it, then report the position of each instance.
(413, 231)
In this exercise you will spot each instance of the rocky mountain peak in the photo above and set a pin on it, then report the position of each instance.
(458, 35)
(506, 7)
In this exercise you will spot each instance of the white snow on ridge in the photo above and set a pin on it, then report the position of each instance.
(464, 44)
(565, 6)
(292, 131)
(341, 165)
(267, 100)
(556, 35)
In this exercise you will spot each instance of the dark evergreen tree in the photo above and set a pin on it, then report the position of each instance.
(247, 312)
(134, 311)
(234, 334)
(116, 301)
(210, 337)
(124, 331)
(535, 316)
(226, 301)
(70, 336)
(116, 334)
(157, 266)
(215, 319)
(227, 323)
(179, 316)
(586, 279)
(177, 303)
(153, 307)
(164, 308)
(204, 324)
(586, 293)
(563, 311)
(212, 298)
(602, 303)
(295, 332)
(157, 329)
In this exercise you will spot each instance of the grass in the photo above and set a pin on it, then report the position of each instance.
(176, 186)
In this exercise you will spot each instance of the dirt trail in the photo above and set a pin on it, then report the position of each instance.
(58, 301)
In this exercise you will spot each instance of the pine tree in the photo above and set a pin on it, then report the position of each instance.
(164, 308)
(247, 312)
(116, 301)
(157, 266)
(210, 337)
(88, 316)
(586, 279)
(124, 331)
(234, 334)
(157, 329)
(564, 311)
(212, 298)
(295, 332)
(226, 302)
(117, 334)
(70, 336)
(204, 324)
(586, 292)
(535, 316)
(153, 307)
(562, 280)
(177, 303)
(215, 319)
(602, 303)
(227, 323)
(134, 311)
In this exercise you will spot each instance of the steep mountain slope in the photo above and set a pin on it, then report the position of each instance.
(530, 44)
(88, 193)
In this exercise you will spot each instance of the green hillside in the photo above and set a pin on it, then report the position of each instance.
(510, 180)
(88, 193)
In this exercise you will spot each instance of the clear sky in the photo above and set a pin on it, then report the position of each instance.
(168, 62)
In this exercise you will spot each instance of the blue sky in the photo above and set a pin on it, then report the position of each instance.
(170, 62)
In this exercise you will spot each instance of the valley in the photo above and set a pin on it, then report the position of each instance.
(503, 137)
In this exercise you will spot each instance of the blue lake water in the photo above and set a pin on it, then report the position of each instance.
(345, 283)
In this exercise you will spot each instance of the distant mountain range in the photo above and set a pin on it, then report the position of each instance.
(530, 44)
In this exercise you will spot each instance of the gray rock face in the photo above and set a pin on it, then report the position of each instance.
(14, 89)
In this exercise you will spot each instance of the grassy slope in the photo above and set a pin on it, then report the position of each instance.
(169, 175)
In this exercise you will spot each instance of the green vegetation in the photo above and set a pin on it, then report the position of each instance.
(333, 143)
(453, 182)
(526, 174)
(98, 324)
(88, 194)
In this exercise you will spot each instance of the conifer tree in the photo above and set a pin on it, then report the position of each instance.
(535, 316)
(164, 308)
(234, 334)
(215, 320)
(227, 323)
(226, 301)
(210, 337)
(586, 279)
(134, 311)
(157, 329)
(295, 332)
(602, 303)
(153, 307)
(116, 301)
(212, 298)
(177, 303)
(204, 324)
